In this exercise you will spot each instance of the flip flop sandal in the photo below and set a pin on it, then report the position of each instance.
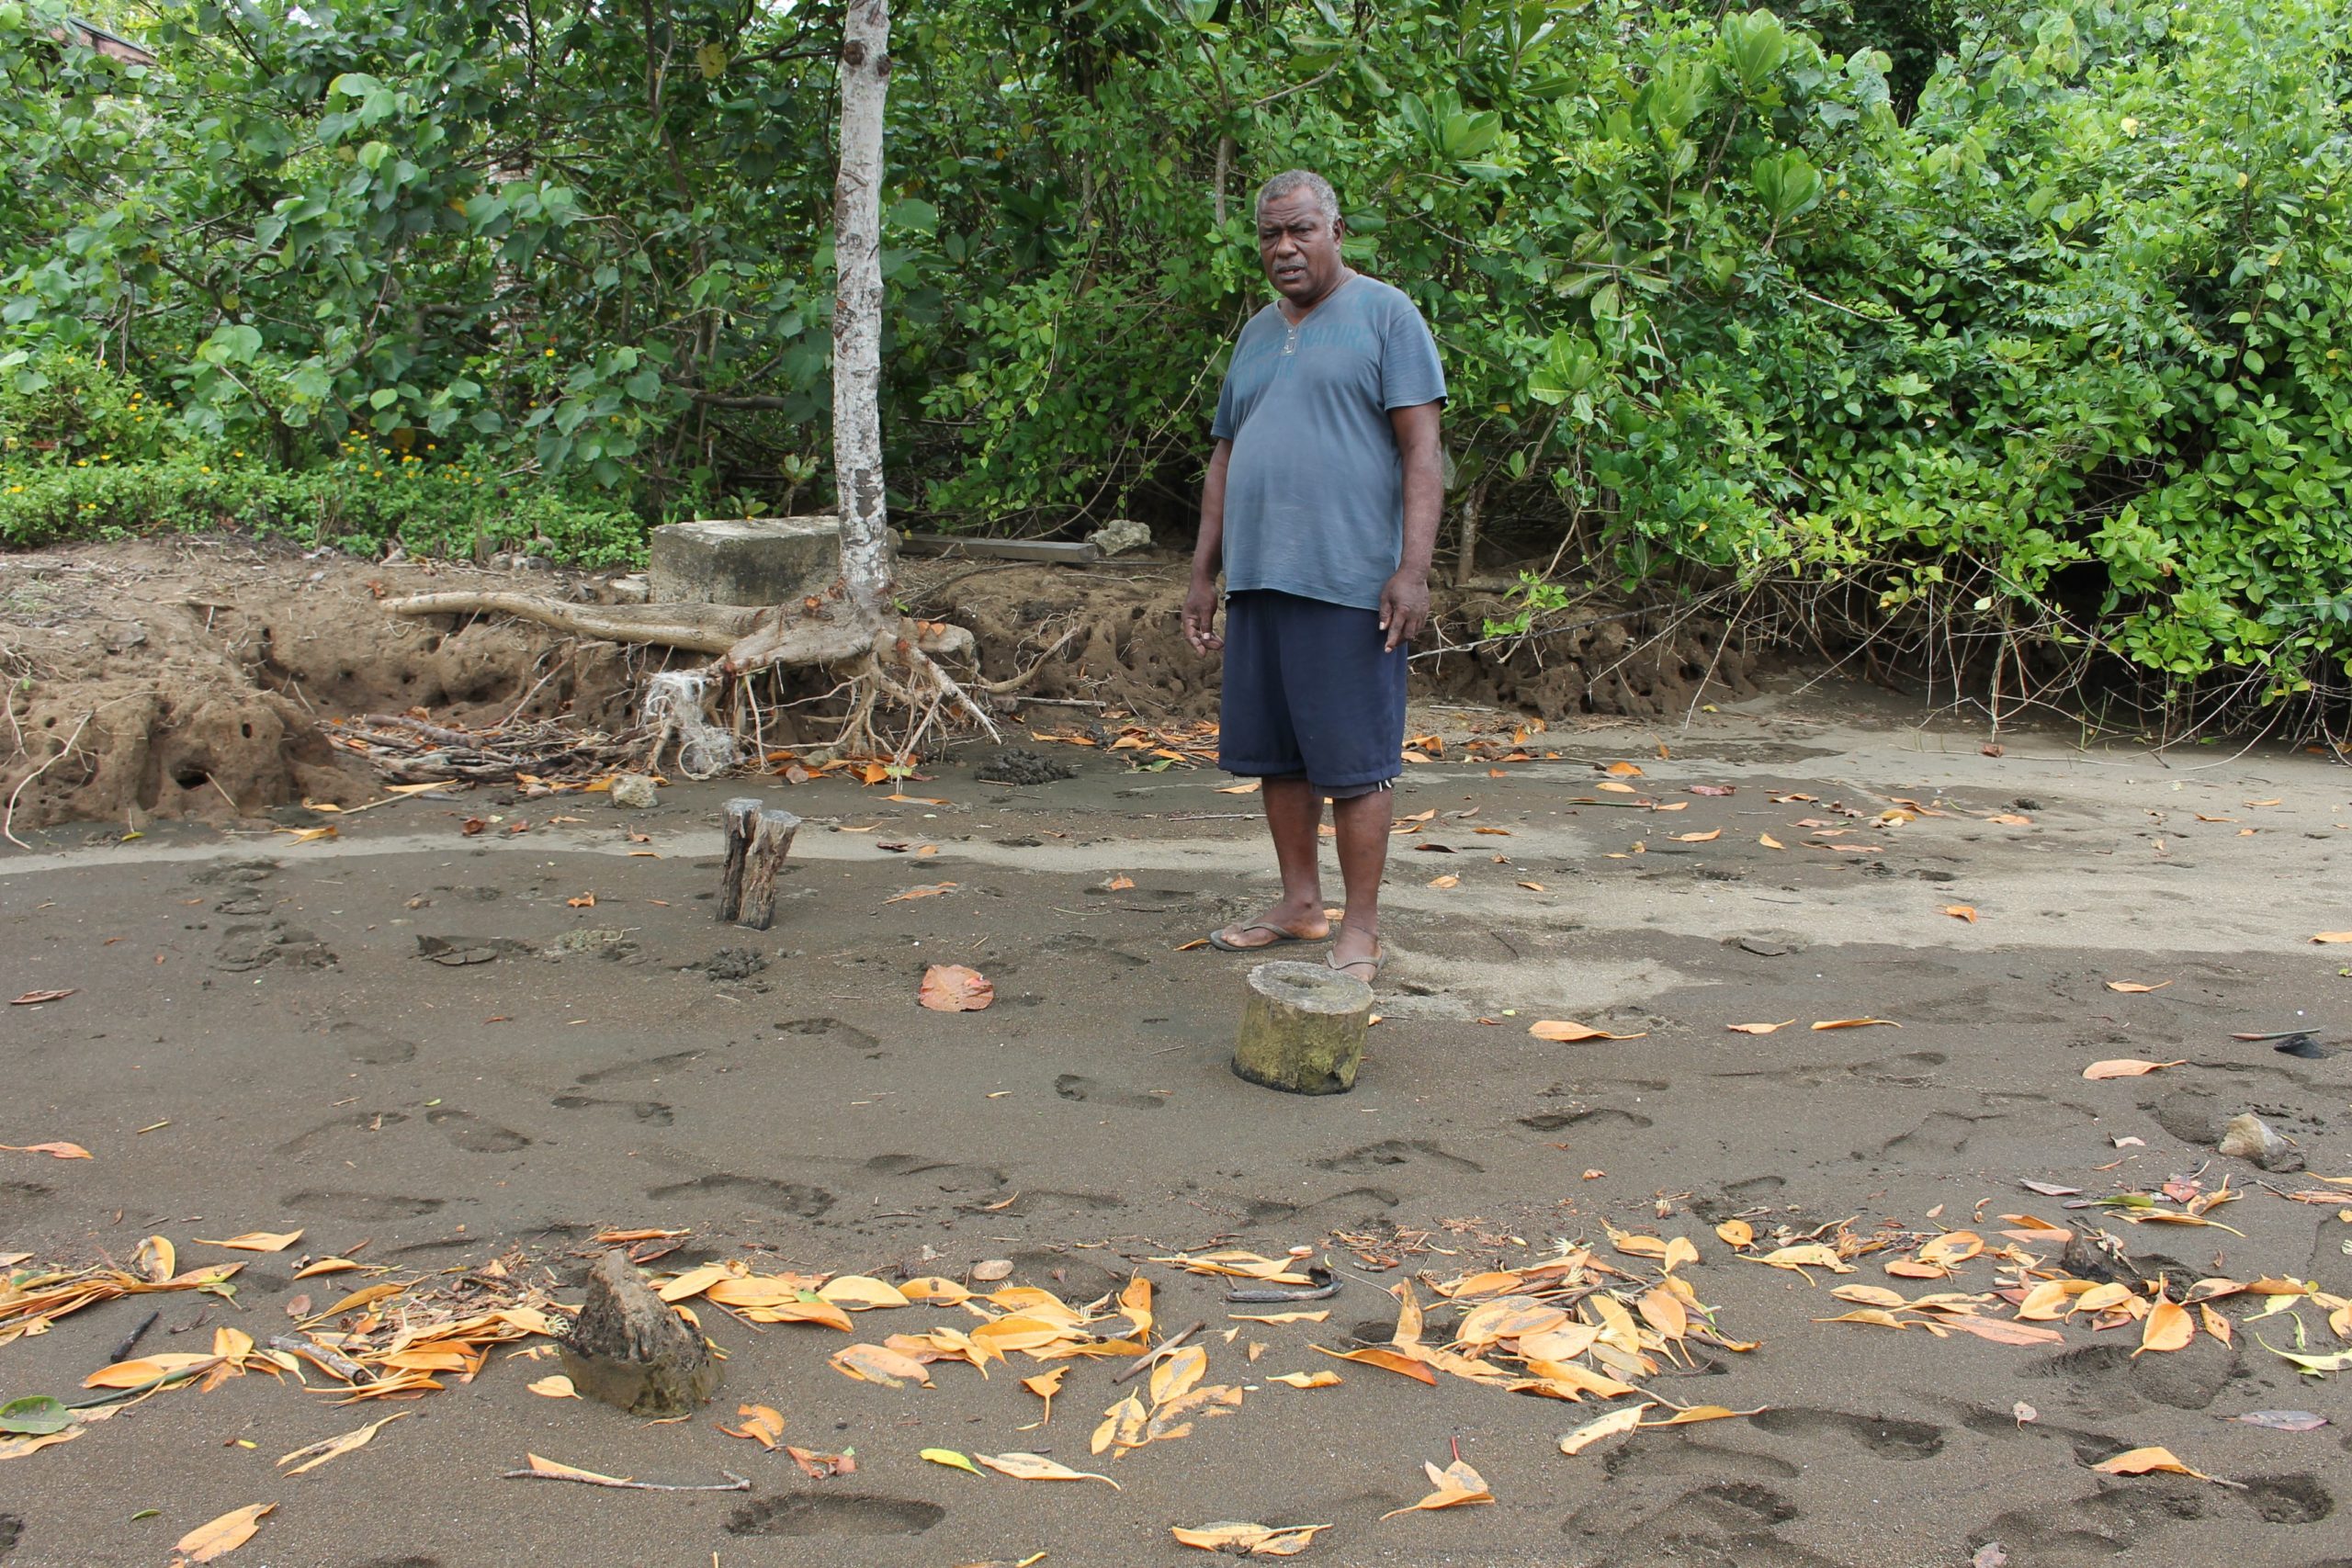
(1281, 939)
(1378, 961)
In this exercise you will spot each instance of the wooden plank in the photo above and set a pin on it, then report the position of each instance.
(1051, 551)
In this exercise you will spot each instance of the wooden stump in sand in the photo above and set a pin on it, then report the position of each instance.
(757, 841)
(1302, 1028)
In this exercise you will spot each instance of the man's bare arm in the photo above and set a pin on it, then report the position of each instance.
(1405, 600)
(1208, 556)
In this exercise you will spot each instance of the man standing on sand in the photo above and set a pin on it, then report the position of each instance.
(1321, 505)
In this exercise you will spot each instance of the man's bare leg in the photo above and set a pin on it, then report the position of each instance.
(1362, 824)
(1293, 812)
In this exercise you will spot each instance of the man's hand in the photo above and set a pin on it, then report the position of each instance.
(1404, 607)
(1200, 617)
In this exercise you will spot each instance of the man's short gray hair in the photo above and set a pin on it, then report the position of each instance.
(1290, 182)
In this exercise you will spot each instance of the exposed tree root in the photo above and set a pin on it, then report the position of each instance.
(898, 666)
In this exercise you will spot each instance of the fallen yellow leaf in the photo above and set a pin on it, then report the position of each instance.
(2127, 1068)
(1609, 1426)
(763, 1424)
(219, 1537)
(1457, 1484)
(257, 1241)
(2141, 1461)
(1568, 1032)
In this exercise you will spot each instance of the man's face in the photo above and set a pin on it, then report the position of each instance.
(1299, 248)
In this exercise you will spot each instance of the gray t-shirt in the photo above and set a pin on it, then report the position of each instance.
(1314, 490)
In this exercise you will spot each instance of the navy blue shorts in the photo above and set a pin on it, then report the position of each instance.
(1310, 693)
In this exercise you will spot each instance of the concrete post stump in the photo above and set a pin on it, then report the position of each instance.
(1302, 1028)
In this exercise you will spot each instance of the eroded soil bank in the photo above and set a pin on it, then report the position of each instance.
(202, 678)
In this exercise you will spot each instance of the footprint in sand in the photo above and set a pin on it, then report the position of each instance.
(834, 1513)
(475, 1136)
(370, 1046)
(1886, 1436)
(652, 1112)
(364, 1207)
(1395, 1152)
(789, 1196)
(832, 1030)
(651, 1067)
(1075, 1086)
(359, 1122)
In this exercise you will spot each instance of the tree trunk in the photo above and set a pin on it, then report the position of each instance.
(857, 319)
(1465, 559)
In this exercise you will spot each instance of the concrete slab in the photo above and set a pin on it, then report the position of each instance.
(750, 560)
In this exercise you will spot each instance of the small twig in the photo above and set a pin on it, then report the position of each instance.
(130, 1340)
(1161, 1349)
(733, 1482)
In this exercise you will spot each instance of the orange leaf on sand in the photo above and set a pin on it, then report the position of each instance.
(1769, 843)
(1240, 1539)
(1759, 1028)
(2002, 1331)
(1961, 912)
(1566, 1031)
(1857, 1024)
(1609, 1426)
(224, 1535)
(763, 1424)
(257, 1241)
(54, 1151)
(2333, 936)
(1623, 771)
(2167, 1327)
(951, 988)
(879, 1364)
(930, 890)
(1036, 1467)
(2140, 1462)
(1457, 1484)
(1387, 1360)
(2133, 988)
(2127, 1068)
(35, 999)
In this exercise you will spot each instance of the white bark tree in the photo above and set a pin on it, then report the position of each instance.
(867, 556)
(884, 656)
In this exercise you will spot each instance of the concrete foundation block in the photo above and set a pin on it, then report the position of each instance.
(754, 560)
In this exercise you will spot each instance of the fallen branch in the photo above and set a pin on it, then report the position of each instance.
(733, 1482)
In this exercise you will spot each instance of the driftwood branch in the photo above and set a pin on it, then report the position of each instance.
(742, 637)
(733, 1482)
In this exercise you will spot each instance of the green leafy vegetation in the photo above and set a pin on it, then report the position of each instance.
(2016, 328)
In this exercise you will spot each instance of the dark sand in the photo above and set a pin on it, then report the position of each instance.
(315, 1073)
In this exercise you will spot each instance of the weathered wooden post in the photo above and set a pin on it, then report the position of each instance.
(757, 842)
(1302, 1028)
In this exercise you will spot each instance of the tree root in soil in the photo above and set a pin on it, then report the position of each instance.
(895, 665)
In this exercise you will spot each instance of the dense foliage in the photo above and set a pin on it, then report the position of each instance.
(2023, 319)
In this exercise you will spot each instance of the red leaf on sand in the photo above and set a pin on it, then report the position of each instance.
(951, 988)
